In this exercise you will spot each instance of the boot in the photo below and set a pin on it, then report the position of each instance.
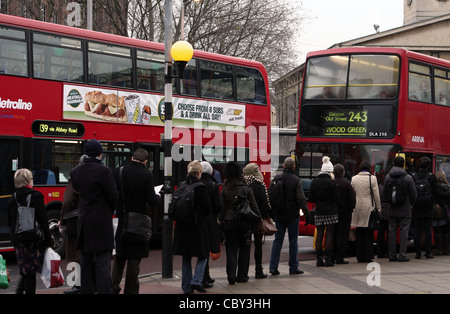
(328, 262)
(319, 255)
(259, 274)
(20, 288)
(445, 244)
(438, 243)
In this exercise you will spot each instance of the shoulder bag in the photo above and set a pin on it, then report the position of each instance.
(374, 218)
(27, 227)
(268, 227)
(135, 227)
(244, 211)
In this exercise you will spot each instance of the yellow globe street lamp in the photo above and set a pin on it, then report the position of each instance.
(181, 52)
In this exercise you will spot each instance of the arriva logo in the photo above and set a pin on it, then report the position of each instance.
(415, 139)
(17, 105)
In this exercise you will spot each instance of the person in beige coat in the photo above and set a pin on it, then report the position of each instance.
(363, 207)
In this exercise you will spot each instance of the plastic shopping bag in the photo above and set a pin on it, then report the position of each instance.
(4, 278)
(51, 274)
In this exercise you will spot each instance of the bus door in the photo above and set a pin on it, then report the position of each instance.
(156, 166)
(9, 163)
(412, 160)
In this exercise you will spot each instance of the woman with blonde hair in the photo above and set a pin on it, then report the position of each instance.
(191, 239)
(29, 251)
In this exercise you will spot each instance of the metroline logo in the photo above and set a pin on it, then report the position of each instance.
(17, 105)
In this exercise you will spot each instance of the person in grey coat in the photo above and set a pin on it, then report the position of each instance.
(400, 215)
(95, 236)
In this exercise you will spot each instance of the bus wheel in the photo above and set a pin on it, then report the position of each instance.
(59, 243)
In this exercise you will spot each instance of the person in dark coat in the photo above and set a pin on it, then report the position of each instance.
(399, 215)
(237, 233)
(324, 193)
(98, 200)
(289, 218)
(29, 252)
(138, 195)
(68, 220)
(422, 215)
(441, 225)
(192, 238)
(216, 205)
(345, 203)
(255, 180)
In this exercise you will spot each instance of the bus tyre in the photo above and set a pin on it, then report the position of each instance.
(59, 242)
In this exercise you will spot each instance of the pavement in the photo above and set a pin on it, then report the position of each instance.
(418, 276)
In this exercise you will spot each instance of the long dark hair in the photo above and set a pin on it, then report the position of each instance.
(233, 173)
(365, 166)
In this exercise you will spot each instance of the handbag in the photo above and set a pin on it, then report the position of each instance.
(27, 228)
(244, 212)
(438, 211)
(4, 274)
(374, 218)
(268, 227)
(51, 274)
(135, 227)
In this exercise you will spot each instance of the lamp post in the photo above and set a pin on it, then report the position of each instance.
(181, 52)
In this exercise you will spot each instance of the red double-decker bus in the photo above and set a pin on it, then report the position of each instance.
(61, 86)
(371, 104)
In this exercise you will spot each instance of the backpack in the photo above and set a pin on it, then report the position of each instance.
(424, 194)
(396, 192)
(182, 205)
(277, 196)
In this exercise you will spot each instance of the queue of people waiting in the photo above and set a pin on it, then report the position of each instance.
(95, 192)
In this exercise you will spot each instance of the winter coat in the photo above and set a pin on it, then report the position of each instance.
(260, 192)
(138, 195)
(425, 211)
(30, 254)
(71, 204)
(346, 200)
(37, 202)
(443, 200)
(363, 207)
(230, 201)
(192, 239)
(295, 197)
(216, 206)
(402, 210)
(98, 200)
(323, 192)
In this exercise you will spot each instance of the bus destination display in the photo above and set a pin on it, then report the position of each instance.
(55, 128)
(345, 122)
(348, 121)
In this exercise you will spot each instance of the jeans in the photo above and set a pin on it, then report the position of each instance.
(96, 265)
(394, 223)
(186, 273)
(292, 228)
